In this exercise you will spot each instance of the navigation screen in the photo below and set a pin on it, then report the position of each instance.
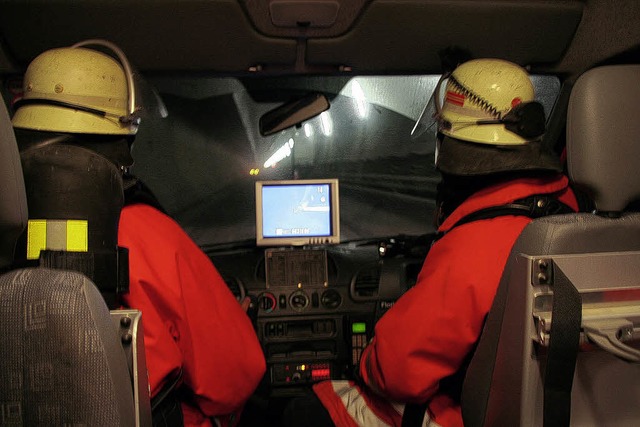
(296, 210)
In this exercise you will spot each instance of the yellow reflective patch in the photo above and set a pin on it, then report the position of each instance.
(57, 235)
(77, 235)
(36, 237)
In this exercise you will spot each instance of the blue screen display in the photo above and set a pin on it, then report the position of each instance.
(296, 210)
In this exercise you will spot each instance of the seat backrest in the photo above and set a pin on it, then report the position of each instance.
(63, 360)
(75, 196)
(586, 264)
(13, 203)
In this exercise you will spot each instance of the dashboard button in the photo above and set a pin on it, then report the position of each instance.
(299, 300)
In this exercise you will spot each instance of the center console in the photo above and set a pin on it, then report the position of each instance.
(309, 327)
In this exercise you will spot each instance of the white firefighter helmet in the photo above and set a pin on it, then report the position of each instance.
(78, 90)
(491, 101)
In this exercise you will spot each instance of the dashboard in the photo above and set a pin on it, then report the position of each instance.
(316, 307)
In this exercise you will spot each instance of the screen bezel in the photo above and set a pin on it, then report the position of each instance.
(334, 199)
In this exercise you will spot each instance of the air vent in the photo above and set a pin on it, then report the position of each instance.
(364, 286)
(236, 287)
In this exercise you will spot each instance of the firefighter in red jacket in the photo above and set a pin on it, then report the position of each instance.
(194, 329)
(193, 323)
(489, 153)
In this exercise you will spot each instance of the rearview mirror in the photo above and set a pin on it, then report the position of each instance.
(293, 113)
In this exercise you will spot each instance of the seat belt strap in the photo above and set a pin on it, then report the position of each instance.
(535, 206)
(413, 414)
(566, 318)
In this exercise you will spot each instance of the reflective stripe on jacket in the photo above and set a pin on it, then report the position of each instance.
(427, 334)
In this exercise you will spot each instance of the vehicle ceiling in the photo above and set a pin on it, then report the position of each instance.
(267, 37)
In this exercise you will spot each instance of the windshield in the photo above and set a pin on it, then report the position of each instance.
(202, 160)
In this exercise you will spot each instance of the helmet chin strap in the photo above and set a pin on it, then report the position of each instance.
(128, 120)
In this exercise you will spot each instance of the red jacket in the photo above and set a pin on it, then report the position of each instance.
(426, 335)
(191, 319)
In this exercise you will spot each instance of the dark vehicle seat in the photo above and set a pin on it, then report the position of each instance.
(65, 359)
(557, 348)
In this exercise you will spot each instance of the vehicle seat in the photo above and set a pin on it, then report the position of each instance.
(64, 357)
(569, 294)
(75, 196)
